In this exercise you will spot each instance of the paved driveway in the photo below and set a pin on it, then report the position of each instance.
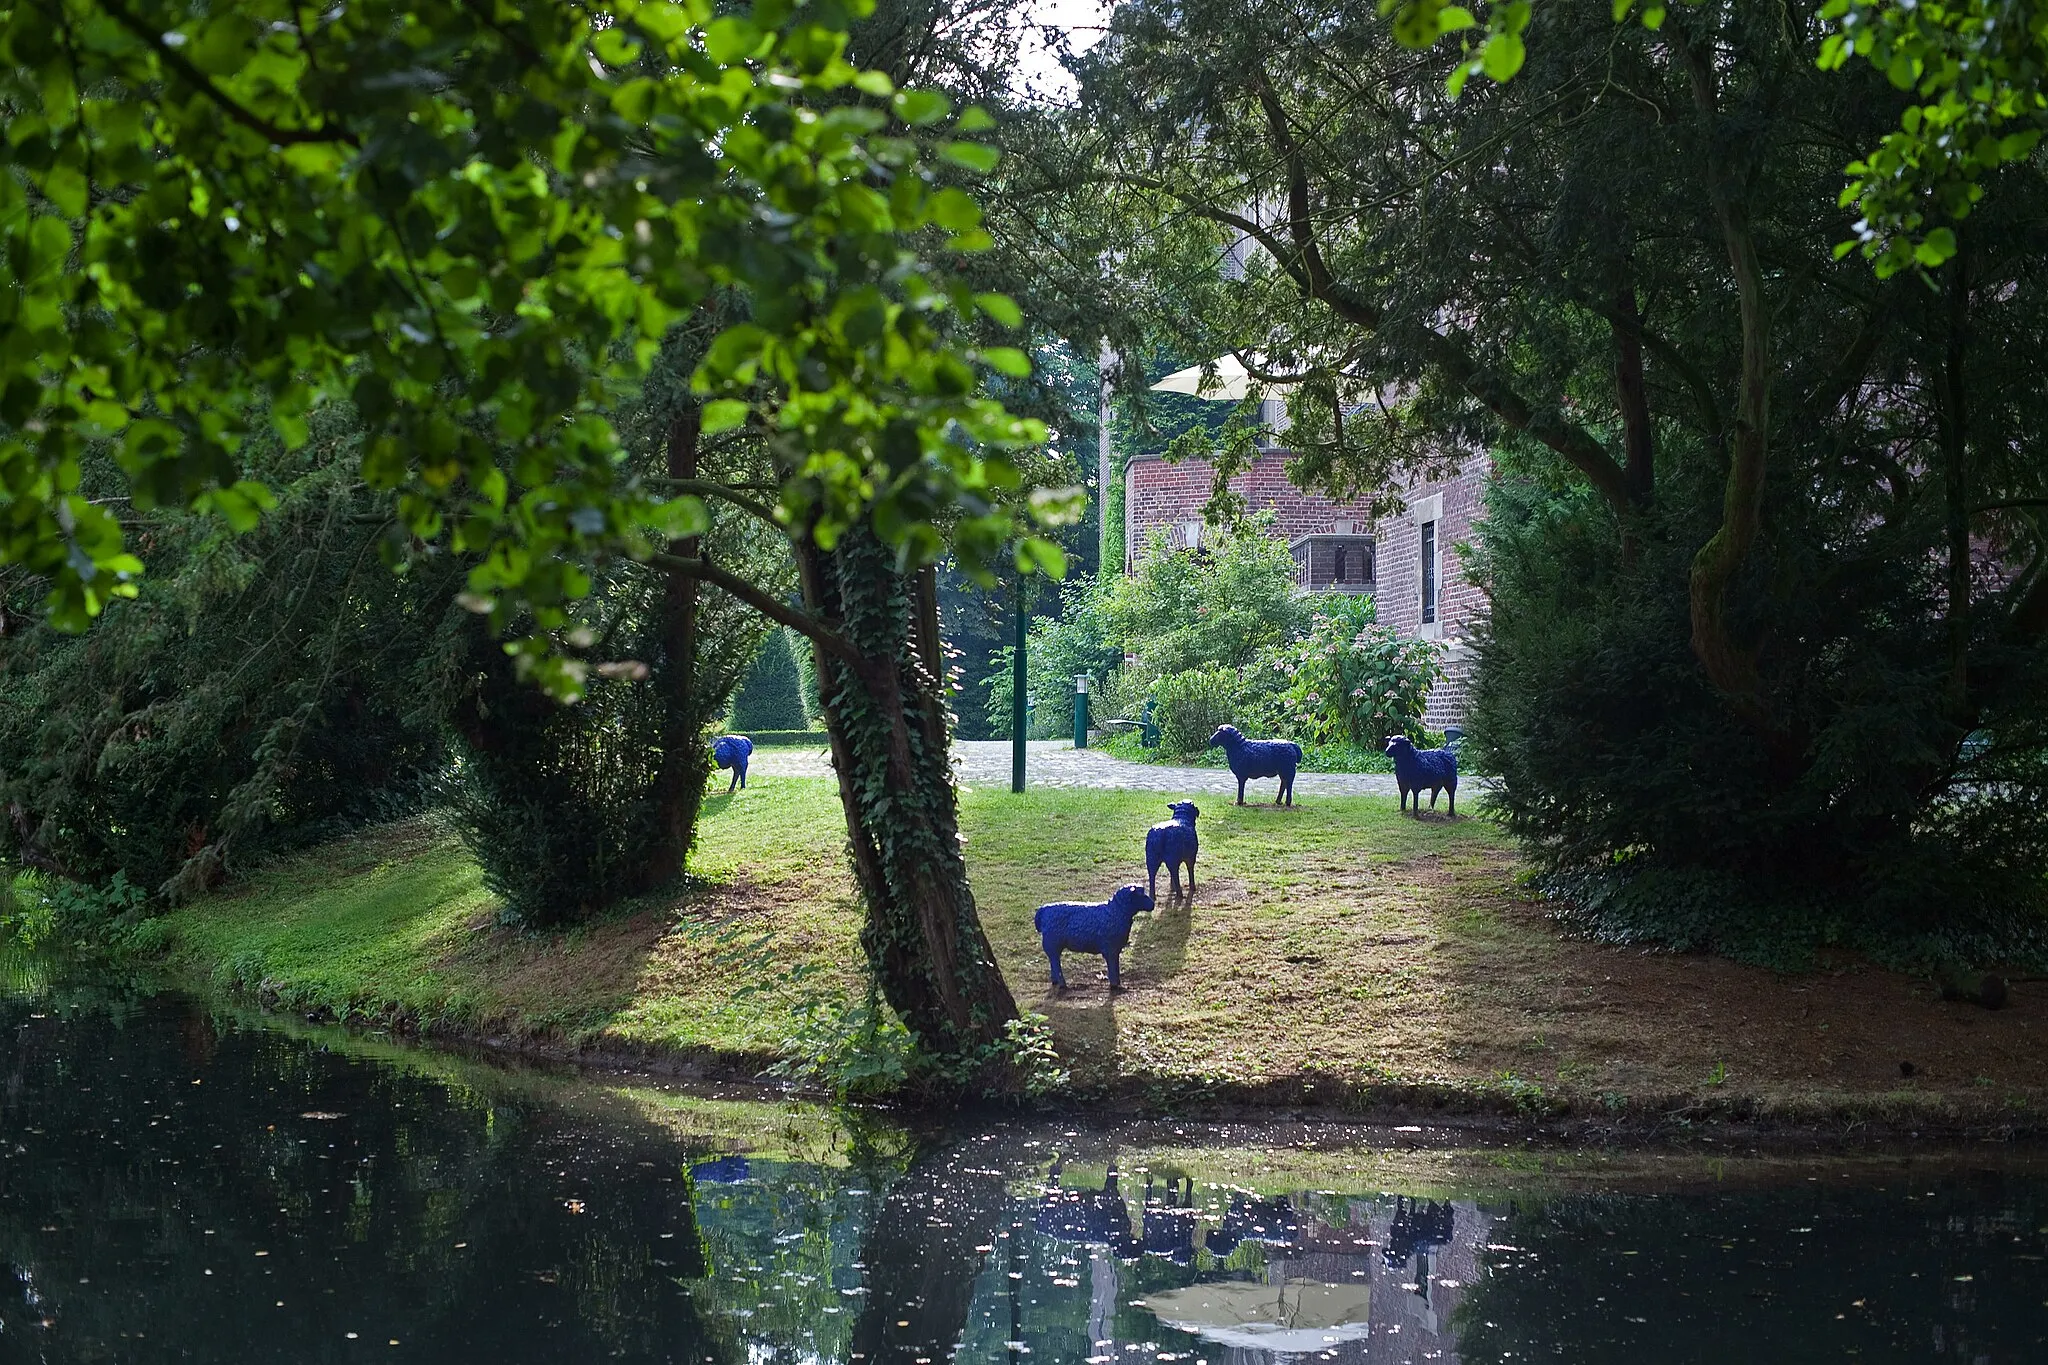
(1057, 763)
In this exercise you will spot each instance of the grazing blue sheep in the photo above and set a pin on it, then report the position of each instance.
(1173, 843)
(1250, 758)
(732, 751)
(1078, 927)
(1416, 768)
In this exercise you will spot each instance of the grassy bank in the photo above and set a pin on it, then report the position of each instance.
(1336, 953)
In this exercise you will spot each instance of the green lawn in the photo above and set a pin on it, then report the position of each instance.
(1330, 946)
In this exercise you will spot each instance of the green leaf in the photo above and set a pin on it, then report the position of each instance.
(64, 185)
(615, 47)
(974, 119)
(920, 107)
(1503, 56)
(731, 40)
(1454, 19)
(954, 210)
(1937, 247)
(975, 156)
(723, 414)
(1000, 307)
(1007, 360)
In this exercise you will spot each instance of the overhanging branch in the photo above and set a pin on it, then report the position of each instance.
(815, 629)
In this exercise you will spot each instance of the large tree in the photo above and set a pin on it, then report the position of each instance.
(478, 221)
(1788, 556)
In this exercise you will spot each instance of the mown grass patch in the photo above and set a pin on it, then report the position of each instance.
(1332, 949)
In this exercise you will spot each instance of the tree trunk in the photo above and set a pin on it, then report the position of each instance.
(1955, 435)
(685, 761)
(1730, 666)
(925, 1250)
(886, 712)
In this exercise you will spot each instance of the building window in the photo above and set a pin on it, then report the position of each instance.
(1337, 573)
(1429, 574)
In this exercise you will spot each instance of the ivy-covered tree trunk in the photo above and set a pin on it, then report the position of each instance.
(884, 704)
(678, 791)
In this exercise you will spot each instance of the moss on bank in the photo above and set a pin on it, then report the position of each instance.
(1336, 955)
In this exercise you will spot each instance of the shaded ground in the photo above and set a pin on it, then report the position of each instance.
(1330, 948)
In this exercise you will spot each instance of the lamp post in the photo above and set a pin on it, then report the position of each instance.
(1081, 681)
(1018, 700)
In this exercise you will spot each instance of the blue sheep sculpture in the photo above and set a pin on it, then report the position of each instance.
(1249, 758)
(732, 751)
(1414, 769)
(1079, 927)
(1173, 843)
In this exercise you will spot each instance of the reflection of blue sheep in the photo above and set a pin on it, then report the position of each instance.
(1418, 1225)
(725, 1170)
(1271, 1220)
(1086, 1217)
(732, 751)
(1173, 843)
(1250, 758)
(1080, 927)
(1169, 1228)
(1416, 768)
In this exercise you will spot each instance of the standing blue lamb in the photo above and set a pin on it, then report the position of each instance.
(1250, 758)
(1415, 769)
(1079, 927)
(732, 751)
(1173, 843)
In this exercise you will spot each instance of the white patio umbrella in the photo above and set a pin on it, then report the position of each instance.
(1293, 1318)
(1231, 381)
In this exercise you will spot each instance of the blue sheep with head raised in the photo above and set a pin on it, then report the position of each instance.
(1250, 758)
(732, 751)
(1082, 927)
(1172, 843)
(1414, 769)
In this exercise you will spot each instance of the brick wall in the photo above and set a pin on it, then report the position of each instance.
(1160, 494)
(1454, 504)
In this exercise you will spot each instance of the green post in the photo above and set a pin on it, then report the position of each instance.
(1017, 697)
(1080, 710)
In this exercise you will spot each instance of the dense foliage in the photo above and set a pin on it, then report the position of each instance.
(1766, 557)
(1222, 636)
(262, 690)
(770, 694)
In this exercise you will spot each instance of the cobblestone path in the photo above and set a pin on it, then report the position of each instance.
(1057, 763)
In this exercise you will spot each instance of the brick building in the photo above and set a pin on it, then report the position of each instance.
(1407, 561)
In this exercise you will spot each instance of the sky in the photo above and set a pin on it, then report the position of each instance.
(1082, 21)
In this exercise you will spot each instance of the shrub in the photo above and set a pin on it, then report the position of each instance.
(770, 697)
(1655, 813)
(1190, 705)
(1350, 680)
(1058, 648)
(570, 808)
(1218, 607)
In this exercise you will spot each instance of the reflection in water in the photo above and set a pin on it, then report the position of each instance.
(176, 1189)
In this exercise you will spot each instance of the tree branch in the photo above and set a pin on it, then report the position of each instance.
(1302, 259)
(199, 80)
(1731, 668)
(711, 488)
(815, 629)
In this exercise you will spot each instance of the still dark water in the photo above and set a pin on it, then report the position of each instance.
(175, 1187)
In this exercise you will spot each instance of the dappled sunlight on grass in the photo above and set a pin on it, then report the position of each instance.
(1335, 944)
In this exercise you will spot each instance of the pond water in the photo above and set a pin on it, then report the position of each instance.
(176, 1186)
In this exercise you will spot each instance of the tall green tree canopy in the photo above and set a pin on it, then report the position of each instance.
(476, 221)
(1788, 554)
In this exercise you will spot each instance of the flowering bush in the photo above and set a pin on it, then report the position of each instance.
(1350, 679)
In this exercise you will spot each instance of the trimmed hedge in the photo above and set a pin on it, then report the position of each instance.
(785, 739)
